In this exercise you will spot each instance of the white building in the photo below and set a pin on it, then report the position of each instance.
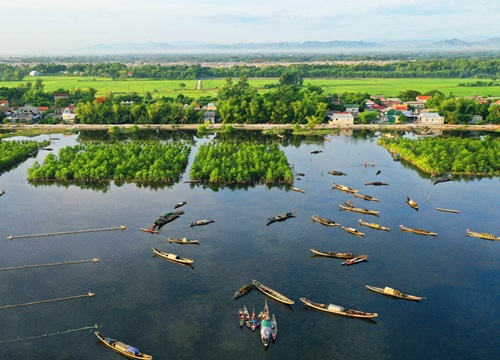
(340, 118)
(35, 73)
(430, 118)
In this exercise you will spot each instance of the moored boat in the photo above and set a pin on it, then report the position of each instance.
(412, 203)
(337, 173)
(344, 188)
(323, 221)
(355, 260)
(418, 231)
(336, 309)
(336, 255)
(377, 183)
(121, 348)
(482, 235)
(243, 290)
(359, 210)
(183, 241)
(272, 293)
(150, 230)
(448, 210)
(254, 320)
(373, 225)
(366, 197)
(179, 204)
(241, 317)
(395, 293)
(274, 327)
(297, 190)
(281, 217)
(165, 219)
(265, 331)
(172, 257)
(353, 231)
(201, 223)
(246, 314)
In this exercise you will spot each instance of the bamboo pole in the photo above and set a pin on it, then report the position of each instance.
(51, 334)
(47, 301)
(94, 260)
(122, 227)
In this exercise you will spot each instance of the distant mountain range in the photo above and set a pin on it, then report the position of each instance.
(308, 46)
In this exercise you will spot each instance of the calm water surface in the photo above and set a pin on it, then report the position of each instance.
(174, 312)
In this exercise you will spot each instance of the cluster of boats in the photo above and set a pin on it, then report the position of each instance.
(267, 324)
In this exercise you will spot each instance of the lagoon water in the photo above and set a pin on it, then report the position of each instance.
(175, 312)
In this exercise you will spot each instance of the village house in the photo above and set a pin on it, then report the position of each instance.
(352, 108)
(423, 98)
(27, 114)
(68, 115)
(418, 105)
(4, 103)
(35, 73)
(340, 118)
(390, 102)
(61, 96)
(209, 116)
(431, 118)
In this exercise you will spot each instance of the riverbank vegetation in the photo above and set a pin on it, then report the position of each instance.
(448, 155)
(12, 152)
(242, 162)
(122, 161)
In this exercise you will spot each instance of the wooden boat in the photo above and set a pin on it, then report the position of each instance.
(328, 139)
(336, 255)
(246, 314)
(483, 235)
(243, 291)
(150, 230)
(274, 327)
(448, 210)
(297, 189)
(336, 309)
(377, 183)
(366, 197)
(165, 219)
(254, 320)
(183, 241)
(182, 203)
(2, 192)
(418, 231)
(355, 260)
(272, 293)
(337, 173)
(121, 348)
(172, 257)
(201, 223)
(353, 231)
(359, 210)
(266, 332)
(281, 217)
(323, 221)
(412, 203)
(443, 179)
(316, 151)
(241, 317)
(373, 225)
(395, 293)
(344, 188)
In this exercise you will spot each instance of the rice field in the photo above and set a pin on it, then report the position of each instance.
(172, 88)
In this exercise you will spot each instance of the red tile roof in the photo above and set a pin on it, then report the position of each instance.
(423, 97)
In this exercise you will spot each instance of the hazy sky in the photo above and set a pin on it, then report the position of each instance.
(65, 26)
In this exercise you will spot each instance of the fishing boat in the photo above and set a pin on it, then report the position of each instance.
(182, 203)
(172, 257)
(201, 223)
(121, 348)
(377, 183)
(328, 139)
(183, 241)
(443, 179)
(272, 293)
(266, 332)
(336, 255)
(395, 293)
(150, 230)
(373, 225)
(418, 231)
(241, 317)
(353, 231)
(337, 173)
(355, 260)
(246, 314)
(243, 291)
(359, 210)
(482, 235)
(323, 221)
(274, 328)
(336, 309)
(254, 320)
(297, 190)
(316, 151)
(281, 217)
(344, 188)
(165, 219)
(366, 197)
(448, 210)
(412, 203)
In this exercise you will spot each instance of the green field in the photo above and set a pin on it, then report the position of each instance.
(387, 87)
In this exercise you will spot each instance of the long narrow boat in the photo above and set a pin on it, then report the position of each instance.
(201, 223)
(121, 348)
(182, 203)
(172, 257)
(353, 231)
(336, 255)
(323, 221)
(246, 314)
(337, 173)
(359, 210)
(344, 188)
(395, 293)
(448, 210)
(183, 241)
(272, 293)
(241, 317)
(274, 327)
(418, 231)
(377, 183)
(336, 309)
(297, 189)
(356, 260)
(245, 289)
(373, 225)
(412, 203)
(482, 235)
(150, 230)
(366, 197)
